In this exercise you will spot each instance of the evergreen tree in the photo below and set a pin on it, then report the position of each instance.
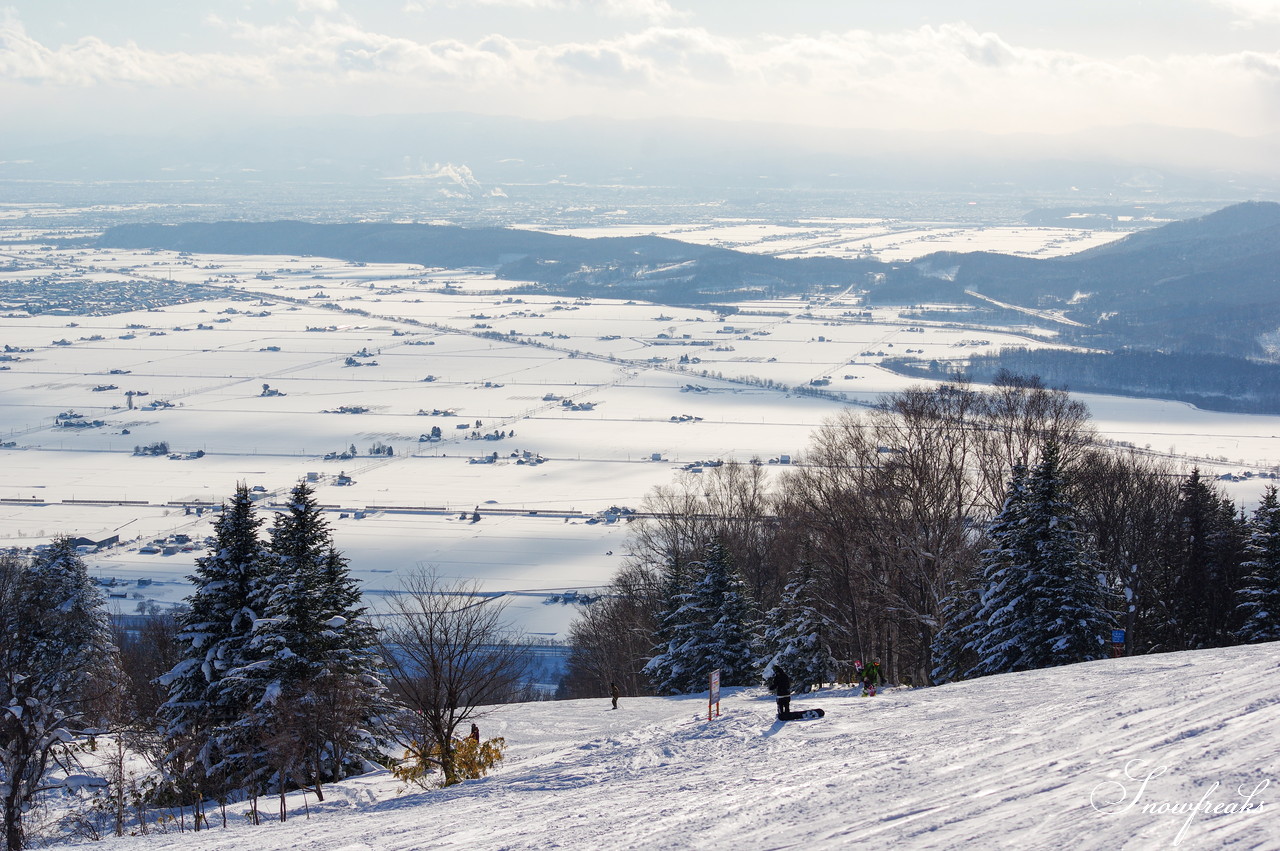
(1260, 596)
(202, 710)
(1073, 612)
(794, 632)
(58, 670)
(952, 649)
(669, 669)
(310, 680)
(992, 617)
(1206, 554)
(1042, 601)
(985, 612)
(708, 627)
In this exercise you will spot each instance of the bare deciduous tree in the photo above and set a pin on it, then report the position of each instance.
(1128, 501)
(449, 652)
(729, 502)
(149, 647)
(614, 637)
(890, 504)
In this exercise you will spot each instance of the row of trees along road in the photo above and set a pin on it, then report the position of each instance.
(949, 531)
(271, 679)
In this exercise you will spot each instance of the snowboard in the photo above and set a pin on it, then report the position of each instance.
(804, 715)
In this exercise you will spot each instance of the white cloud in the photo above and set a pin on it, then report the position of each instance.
(944, 76)
(91, 62)
(656, 11)
(317, 5)
(652, 10)
(1252, 11)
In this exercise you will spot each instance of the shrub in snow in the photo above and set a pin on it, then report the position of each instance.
(468, 760)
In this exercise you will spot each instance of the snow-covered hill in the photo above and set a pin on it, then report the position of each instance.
(1176, 750)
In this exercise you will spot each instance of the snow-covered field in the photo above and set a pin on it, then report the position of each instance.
(588, 404)
(1178, 750)
(885, 239)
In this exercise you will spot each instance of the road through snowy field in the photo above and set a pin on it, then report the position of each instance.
(1039, 760)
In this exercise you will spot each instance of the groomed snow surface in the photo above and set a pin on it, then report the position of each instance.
(1048, 759)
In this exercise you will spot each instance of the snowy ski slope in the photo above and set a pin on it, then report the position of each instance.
(1050, 759)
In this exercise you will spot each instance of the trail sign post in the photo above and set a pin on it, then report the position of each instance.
(713, 696)
(1117, 643)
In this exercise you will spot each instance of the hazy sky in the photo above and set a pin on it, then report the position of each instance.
(933, 64)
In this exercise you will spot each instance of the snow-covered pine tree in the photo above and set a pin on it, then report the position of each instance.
(310, 680)
(1072, 614)
(354, 704)
(708, 626)
(1260, 596)
(202, 711)
(58, 666)
(952, 649)
(990, 627)
(1042, 601)
(795, 633)
(672, 670)
(676, 656)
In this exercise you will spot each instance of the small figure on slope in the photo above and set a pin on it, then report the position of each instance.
(475, 734)
(872, 678)
(614, 693)
(782, 688)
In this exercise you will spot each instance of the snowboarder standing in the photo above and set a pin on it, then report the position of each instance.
(872, 678)
(614, 693)
(782, 688)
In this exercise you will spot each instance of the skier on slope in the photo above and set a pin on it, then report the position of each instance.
(782, 688)
(872, 678)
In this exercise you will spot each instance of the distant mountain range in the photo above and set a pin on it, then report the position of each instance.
(1207, 285)
(642, 267)
(1203, 291)
(1188, 311)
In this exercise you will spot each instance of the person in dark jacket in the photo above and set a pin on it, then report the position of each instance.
(614, 693)
(782, 688)
(475, 734)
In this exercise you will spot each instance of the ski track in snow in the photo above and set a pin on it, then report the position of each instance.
(1005, 762)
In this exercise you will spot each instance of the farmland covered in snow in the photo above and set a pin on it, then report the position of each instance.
(446, 417)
